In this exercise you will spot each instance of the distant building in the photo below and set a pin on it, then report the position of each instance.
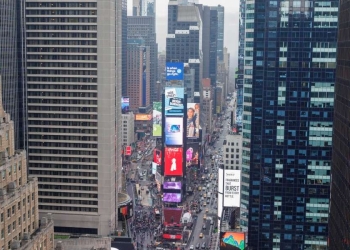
(128, 123)
(84, 243)
(144, 8)
(207, 106)
(20, 226)
(232, 151)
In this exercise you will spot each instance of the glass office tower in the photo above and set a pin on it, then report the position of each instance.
(290, 54)
(339, 220)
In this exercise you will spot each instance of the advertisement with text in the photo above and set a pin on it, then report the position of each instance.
(173, 162)
(157, 119)
(174, 131)
(193, 114)
(157, 156)
(232, 188)
(192, 154)
(174, 101)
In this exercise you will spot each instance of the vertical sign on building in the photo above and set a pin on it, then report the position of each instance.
(232, 188)
(157, 119)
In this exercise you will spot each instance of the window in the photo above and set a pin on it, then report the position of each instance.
(13, 209)
(9, 229)
(2, 234)
(8, 213)
(2, 217)
(14, 226)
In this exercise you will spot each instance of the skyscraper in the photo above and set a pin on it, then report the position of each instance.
(144, 8)
(143, 27)
(339, 219)
(290, 54)
(123, 19)
(74, 63)
(184, 39)
(220, 29)
(240, 70)
(10, 64)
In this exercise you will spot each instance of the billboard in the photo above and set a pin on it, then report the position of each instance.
(157, 156)
(221, 180)
(232, 188)
(154, 167)
(174, 71)
(174, 101)
(232, 240)
(193, 114)
(125, 104)
(143, 117)
(171, 197)
(192, 154)
(157, 119)
(127, 150)
(174, 131)
(172, 185)
(173, 162)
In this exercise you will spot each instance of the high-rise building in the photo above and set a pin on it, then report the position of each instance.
(339, 219)
(122, 14)
(74, 67)
(19, 196)
(184, 39)
(128, 128)
(207, 105)
(144, 8)
(138, 78)
(220, 30)
(240, 70)
(143, 27)
(287, 122)
(11, 65)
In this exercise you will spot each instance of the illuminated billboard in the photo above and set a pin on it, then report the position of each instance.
(157, 119)
(125, 104)
(157, 156)
(193, 114)
(173, 162)
(174, 131)
(174, 101)
(154, 167)
(232, 188)
(171, 197)
(232, 240)
(143, 117)
(174, 71)
(192, 154)
(172, 185)
(127, 150)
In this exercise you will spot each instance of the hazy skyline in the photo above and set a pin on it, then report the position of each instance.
(231, 23)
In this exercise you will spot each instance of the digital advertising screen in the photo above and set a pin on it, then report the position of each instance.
(125, 104)
(172, 185)
(232, 241)
(192, 154)
(174, 101)
(157, 119)
(157, 156)
(171, 197)
(174, 71)
(143, 117)
(173, 162)
(193, 114)
(174, 131)
(232, 188)
(154, 167)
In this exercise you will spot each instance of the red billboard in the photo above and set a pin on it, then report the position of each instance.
(157, 156)
(172, 236)
(127, 150)
(173, 162)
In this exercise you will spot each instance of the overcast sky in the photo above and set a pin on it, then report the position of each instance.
(231, 23)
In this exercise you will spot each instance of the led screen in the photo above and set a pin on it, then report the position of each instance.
(125, 104)
(173, 162)
(174, 101)
(157, 156)
(192, 154)
(174, 71)
(172, 185)
(232, 188)
(232, 241)
(157, 119)
(193, 114)
(174, 131)
(171, 197)
(154, 167)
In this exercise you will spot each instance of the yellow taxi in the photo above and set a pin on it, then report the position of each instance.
(207, 210)
(204, 204)
(199, 188)
(204, 217)
(201, 235)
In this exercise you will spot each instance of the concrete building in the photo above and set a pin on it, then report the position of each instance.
(220, 101)
(18, 195)
(138, 70)
(84, 243)
(232, 151)
(144, 8)
(207, 106)
(143, 27)
(74, 111)
(128, 129)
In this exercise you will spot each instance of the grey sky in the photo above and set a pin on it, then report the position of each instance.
(231, 23)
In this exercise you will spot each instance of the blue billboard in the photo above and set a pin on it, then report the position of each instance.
(125, 104)
(174, 71)
(174, 101)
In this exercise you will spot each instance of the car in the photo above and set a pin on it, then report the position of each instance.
(207, 210)
(191, 247)
(201, 235)
(197, 246)
(204, 227)
(204, 204)
(211, 222)
(142, 188)
(204, 217)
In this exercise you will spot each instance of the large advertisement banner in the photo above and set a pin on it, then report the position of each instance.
(171, 197)
(172, 185)
(192, 154)
(154, 167)
(174, 71)
(173, 162)
(174, 101)
(174, 131)
(157, 156)
(232, 188)
(157, 119)
(193, 114)
(232, 241)
(125, 104)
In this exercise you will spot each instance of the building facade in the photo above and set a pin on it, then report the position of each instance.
(143, 27)
(339, 219)
(74, 66)
(232, 151)
(221, 31)
(138, 78)
(287, 122)
(207, 105)
(18, 195)
(144, 8)
(184, 39)
(128, 121)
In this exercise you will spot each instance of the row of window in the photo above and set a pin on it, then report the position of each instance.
(61, 4)
(10, 170)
